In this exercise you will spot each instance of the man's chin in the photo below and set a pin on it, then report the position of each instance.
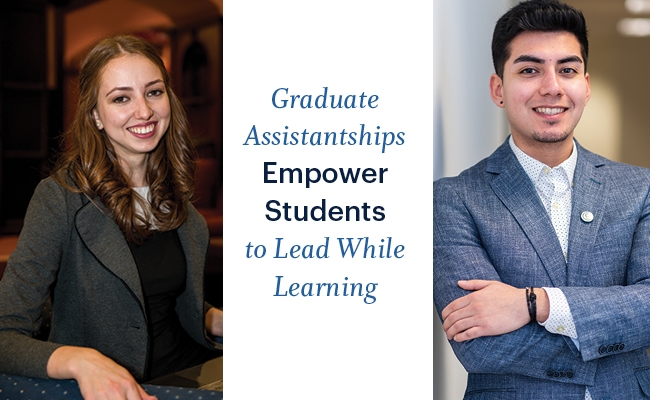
(550, 137)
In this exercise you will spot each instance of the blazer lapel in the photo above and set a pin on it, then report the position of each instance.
(194, 239)
(105, 240)
(588, 194)
(518, 194)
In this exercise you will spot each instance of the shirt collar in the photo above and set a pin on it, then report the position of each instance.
(534, 167)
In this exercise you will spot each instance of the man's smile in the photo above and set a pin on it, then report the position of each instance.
(550, 110)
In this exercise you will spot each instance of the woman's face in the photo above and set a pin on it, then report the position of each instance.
(132, 107)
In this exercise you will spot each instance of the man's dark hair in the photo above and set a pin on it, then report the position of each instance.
(541, 16)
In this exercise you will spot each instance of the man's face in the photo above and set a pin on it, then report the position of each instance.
(544, 88)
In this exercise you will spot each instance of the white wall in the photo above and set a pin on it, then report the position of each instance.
(469, 126)
(600, 129)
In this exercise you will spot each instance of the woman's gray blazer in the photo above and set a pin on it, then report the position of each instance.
(71, 248)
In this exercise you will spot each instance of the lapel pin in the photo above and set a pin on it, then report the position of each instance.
(587, 216)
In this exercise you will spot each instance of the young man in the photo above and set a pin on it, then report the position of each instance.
(542, 250)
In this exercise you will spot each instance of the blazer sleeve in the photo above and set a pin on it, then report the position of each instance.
(31, 270)
(615, 318)
(458, 253)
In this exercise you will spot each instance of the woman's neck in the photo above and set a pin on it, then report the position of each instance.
(136, 171)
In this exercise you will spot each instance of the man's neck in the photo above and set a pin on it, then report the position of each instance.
(551, 154)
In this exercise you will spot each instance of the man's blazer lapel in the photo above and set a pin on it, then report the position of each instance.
(588, 196)
(517, 192)
(104, 239)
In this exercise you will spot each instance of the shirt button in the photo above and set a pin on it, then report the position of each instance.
(546, 170)
(560, 329)
(556, 205)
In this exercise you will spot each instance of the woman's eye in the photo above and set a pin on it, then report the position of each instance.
(120, 99)
(155, 93)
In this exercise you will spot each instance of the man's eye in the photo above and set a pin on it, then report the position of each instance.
(528, 71)
(568, 70)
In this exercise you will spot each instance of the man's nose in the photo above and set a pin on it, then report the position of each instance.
(551, 84)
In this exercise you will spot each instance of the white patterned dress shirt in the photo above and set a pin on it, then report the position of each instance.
(554, 186)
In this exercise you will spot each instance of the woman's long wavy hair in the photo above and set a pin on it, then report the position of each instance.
(88, 163)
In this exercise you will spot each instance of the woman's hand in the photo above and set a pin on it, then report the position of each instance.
(99, 377)
(214, 322)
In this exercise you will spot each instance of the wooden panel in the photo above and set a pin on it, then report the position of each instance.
(24, 47)
(21, 175)
(23, 123)
(30, 102)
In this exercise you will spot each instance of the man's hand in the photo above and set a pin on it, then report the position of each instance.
(99, 377)
(493, 308)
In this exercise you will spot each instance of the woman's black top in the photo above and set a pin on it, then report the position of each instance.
(162, 267)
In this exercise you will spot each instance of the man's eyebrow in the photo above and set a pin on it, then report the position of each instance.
(537, 60)
(528, 58)
(570, 59)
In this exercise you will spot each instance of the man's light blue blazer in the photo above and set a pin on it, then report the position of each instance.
(489, 223)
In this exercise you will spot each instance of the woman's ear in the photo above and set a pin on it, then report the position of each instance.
(98, 122)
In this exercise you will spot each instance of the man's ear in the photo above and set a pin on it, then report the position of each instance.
(588, 86)
(496, 90)
(98, 122)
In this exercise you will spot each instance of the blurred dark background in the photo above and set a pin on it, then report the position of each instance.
(42, 43)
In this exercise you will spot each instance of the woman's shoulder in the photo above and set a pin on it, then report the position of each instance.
(51, 191)
(51, 184)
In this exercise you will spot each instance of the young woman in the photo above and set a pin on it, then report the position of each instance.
(112, 239)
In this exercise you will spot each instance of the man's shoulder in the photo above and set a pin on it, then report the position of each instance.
(613, 168)
(482, 171)
(472, 183)
(471, 173)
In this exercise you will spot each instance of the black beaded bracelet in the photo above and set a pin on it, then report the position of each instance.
(531, 300)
